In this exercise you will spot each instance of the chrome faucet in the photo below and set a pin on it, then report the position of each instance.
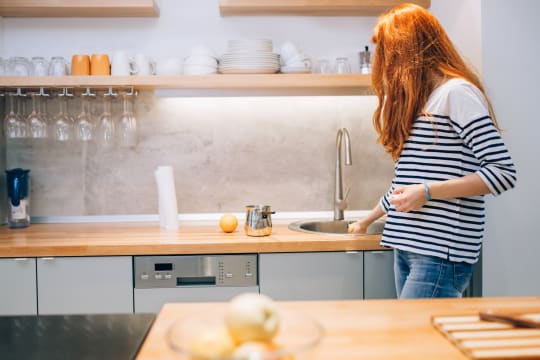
(339, 202)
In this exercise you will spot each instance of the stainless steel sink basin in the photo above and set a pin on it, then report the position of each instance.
(333, 227)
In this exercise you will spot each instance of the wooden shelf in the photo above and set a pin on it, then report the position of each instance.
(79, 8)
(245, 84)
(310, 7)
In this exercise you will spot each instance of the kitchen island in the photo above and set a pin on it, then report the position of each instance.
(369, 329)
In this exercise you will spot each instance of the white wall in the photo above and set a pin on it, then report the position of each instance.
(462, 21)
(511, 49)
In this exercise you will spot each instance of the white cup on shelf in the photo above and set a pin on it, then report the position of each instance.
(122, 64)
(145, 65)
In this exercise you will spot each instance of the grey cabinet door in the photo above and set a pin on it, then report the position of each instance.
(18, 284)
(311, 276)
(379, 275)
(84, 285)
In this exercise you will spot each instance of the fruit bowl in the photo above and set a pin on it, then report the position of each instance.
(205, 337)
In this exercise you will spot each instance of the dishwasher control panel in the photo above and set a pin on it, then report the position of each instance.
(172, 271)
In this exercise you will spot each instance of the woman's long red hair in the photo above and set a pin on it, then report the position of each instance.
(413, 55)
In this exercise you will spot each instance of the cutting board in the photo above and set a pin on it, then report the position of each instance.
(494, 334)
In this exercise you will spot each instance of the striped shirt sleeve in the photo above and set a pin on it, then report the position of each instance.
(470, 118)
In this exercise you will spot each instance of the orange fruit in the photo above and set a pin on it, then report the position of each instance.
(228, 223)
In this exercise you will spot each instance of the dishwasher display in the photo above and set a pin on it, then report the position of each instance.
(195, 271)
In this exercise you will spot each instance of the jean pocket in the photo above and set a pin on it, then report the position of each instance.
(462, 275)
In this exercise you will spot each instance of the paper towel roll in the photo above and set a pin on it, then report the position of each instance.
(168, 208)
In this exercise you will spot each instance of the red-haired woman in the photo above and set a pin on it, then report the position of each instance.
(435, 120)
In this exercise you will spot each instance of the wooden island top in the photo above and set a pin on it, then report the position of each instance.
(359, 329)
(147, 238)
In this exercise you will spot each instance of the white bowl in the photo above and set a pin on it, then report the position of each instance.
(201, 49)
(288, 50)
(199, 70)
(201, 60)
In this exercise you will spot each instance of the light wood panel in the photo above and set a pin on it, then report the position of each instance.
(79, 8)
(146, 238)
(307, 84)
(480, 339)
(363, 329)
(310, 7)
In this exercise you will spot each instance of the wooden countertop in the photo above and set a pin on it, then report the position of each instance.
(362, 329)
(145, 238)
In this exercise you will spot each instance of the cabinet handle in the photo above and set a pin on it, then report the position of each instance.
(47, 258)
(352, 252)
(21, 259)
(377, 252)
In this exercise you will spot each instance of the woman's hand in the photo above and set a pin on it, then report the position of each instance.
(409, 198)
(358, 227)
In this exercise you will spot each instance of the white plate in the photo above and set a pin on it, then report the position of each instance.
(248, 71)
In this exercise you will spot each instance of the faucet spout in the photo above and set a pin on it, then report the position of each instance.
(339, 202)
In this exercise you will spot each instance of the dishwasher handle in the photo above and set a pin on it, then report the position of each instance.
(195, 280)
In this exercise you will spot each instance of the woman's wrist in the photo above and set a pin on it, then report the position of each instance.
(427, 191)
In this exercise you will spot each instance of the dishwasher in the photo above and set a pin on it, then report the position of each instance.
(160, 279)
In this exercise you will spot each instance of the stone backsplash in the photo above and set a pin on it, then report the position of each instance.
(226, 152)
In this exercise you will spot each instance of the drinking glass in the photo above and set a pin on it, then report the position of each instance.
(323, 67)
(40, 66)
(19, 66)
(14, 126)
(84, 127)
(105, 127)
(62, 123)
(4, 67)
(127, 124)
(37, 124)
(58, 66)
(342, 66)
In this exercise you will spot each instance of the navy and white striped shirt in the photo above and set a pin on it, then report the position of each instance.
(459, 138)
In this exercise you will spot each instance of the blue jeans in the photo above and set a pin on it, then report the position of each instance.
(424, 276)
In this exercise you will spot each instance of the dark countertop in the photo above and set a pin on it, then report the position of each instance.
(81, 337)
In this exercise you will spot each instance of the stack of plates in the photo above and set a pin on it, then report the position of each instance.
(249, 57)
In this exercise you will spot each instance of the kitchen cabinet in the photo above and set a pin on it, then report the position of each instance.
(379, 277)
(241, 84)
(311, 275)
(18, 284)
(79, 8)
(310, 7)
(85, 285)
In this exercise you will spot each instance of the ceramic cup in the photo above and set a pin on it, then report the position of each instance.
(100, 64)
(122, 64)
(169, 66)
(80, 65)
(144, 65)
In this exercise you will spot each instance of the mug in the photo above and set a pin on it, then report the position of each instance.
(169, 66)
(122, 65)
(100, 64)
(80, 65)
(58, 66)
(40, 66)
(144, 65)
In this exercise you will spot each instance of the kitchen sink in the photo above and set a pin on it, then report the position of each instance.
(335, 227)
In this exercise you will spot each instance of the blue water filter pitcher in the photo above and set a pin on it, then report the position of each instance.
(18, 191)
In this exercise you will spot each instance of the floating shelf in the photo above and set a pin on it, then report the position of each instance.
(219, 84)
(311, 7)
(79, 8)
